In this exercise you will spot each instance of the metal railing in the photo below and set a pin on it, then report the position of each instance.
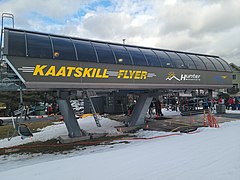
(5, 16)
(8, 79)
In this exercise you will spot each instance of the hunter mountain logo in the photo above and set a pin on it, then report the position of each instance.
(183, 77)
(172, 75)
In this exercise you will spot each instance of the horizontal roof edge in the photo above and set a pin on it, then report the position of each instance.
(112, 43)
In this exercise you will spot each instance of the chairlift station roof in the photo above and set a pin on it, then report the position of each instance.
(47, 61)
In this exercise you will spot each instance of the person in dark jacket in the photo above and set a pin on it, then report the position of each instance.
(150, 109)
(158, 106)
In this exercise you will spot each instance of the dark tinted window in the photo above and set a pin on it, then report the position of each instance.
(63, 48)
(217, 64)
(226, 66)
(151, 57)
(122, 56)
(16, 44)
(39, 46)
(208, 63)
(164, 59)
(137, 56)
(187, 61)
(176, 60)
(85, 51)
(198, 62)
(104, 53)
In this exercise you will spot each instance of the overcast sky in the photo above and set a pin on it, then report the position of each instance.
(201, 26)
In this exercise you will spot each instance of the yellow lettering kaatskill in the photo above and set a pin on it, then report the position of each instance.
(87, 72)
(61, 71)
(39, 70)
(51, 71)
(78, 72)
(69, 71)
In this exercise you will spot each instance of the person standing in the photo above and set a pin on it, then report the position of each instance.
(221, 100)
(158, 106)
(150, 110)
(174, 104)
(229, 103)
(238, 102)
(50, 109)
(26, 113)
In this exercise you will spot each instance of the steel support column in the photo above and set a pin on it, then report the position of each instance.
(140, 110)
(69, 118)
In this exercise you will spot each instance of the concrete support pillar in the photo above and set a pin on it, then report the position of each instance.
(140, 110)
(69, 116)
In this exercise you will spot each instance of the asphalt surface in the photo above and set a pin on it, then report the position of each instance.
(234, 116)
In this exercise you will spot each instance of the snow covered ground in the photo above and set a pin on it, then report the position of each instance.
(88, 124)
(209, 154)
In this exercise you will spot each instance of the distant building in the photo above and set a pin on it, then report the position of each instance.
(234, 91)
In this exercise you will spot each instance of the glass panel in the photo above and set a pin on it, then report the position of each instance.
(122, 56)
(225, 64)
(234, 76)
(217, 64)
(16, 44)
(176, 60)
(104, 53)
(39, 46)
(151, 57)
(164, 59)
(208, 63)
(187, 61)
(197, 61)
(63, 49)
(85, 51)
(137, 56)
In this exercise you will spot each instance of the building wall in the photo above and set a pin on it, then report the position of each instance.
(236, 77)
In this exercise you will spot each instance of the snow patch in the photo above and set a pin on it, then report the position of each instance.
(50, 132)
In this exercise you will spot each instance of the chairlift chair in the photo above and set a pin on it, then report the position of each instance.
(1, 122)
(19, 128)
